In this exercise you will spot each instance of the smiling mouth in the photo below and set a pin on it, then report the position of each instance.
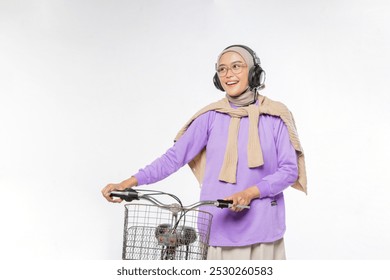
(231, 83)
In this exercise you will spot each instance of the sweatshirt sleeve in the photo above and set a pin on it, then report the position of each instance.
(287, 171)
(183, 151)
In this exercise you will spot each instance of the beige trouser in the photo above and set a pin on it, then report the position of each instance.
(261, 251)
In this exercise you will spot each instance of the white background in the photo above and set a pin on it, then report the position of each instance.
(91, 91)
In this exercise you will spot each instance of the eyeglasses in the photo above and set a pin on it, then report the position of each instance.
(235, 67)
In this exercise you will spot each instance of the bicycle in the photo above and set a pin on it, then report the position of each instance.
(159, 231)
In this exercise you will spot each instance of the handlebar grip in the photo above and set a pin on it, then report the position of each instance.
(127, 194)
(224, 203)
(229, 203)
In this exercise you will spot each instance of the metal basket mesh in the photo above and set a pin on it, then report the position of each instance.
(150, 233)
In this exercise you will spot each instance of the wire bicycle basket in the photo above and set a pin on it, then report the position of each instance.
(155, 233)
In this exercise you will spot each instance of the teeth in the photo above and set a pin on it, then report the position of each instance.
(231, 83)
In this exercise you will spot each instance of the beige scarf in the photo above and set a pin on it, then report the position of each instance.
(255, 155)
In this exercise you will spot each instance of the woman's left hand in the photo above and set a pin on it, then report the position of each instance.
(243, 198)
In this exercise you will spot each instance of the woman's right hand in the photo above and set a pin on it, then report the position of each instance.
(129, 183)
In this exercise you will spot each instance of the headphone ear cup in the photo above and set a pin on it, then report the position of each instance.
(256, 76)
(252, 77)
(217, 82)
(262, 77)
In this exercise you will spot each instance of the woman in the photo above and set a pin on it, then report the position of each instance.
(244, 148)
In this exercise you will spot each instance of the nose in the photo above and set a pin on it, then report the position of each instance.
(231, 72)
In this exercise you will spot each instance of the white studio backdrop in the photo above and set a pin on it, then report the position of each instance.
(91, 91)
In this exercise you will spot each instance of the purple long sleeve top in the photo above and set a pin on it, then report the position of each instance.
(265, 220)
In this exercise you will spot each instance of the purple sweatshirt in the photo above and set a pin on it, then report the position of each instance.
(265, 220)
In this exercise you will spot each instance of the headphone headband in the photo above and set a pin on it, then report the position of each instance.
(256, 59)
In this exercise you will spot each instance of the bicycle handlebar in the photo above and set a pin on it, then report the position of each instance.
(130, 194)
